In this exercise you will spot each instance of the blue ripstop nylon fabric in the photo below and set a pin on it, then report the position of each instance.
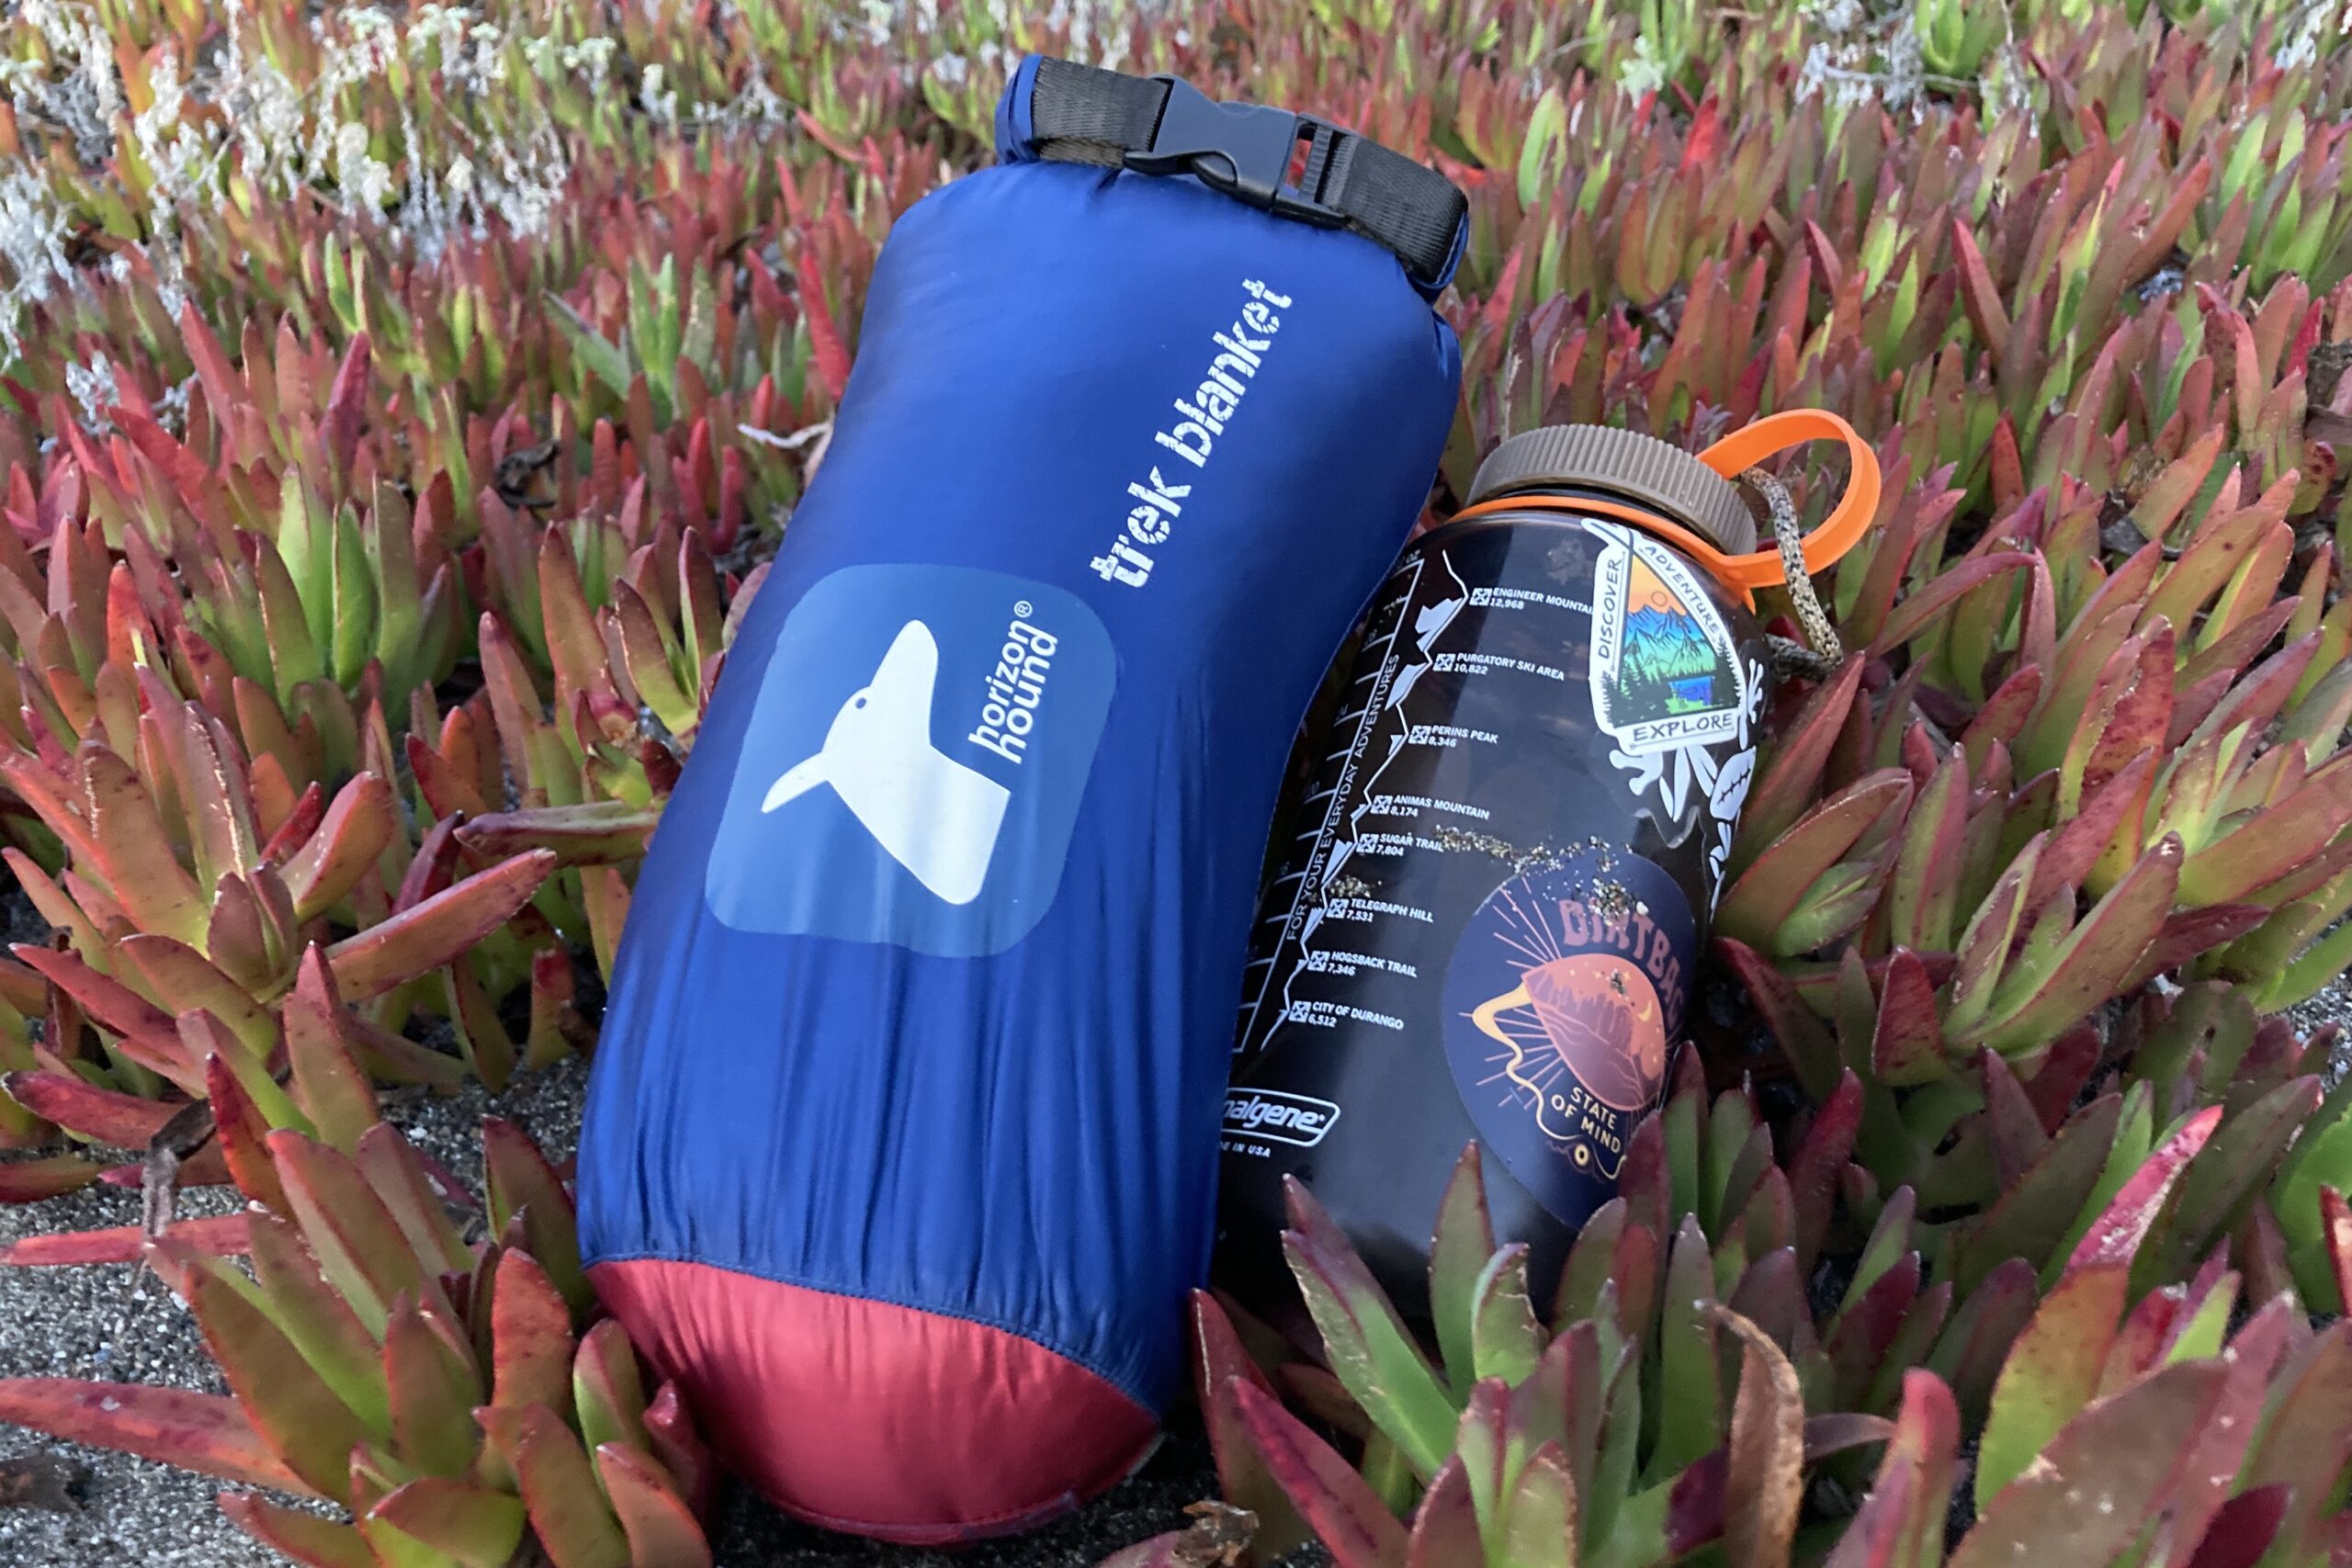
(927, 988)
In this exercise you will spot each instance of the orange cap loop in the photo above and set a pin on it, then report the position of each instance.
(1775, 434)
(1730, 457)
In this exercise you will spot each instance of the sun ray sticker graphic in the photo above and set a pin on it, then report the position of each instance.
(1563, 999)
(1592, 1014)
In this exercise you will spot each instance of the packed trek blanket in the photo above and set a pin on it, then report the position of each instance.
(901, 1142)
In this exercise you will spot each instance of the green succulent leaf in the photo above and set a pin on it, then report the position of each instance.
(1459, 1250)
(1369, 1349)
(568, 1512)
(1538, 1524)
(304, 1422)
(2055, 1367)
(655, 1518)
(317, 1321)
(2122, 1458)
(1346, 1514)
(432, 1521)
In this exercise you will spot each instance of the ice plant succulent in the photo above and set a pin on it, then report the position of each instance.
(1534, 1446)
(181, 941)
(396, 407)
(1611, 1435)
(454, 1400)
(2108, 1425)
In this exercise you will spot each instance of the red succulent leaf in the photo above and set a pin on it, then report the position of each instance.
(307, 1539)
(420, 940)
(31, 1180)
(1218, 1358)
(680, 1447)
(218, 1236)
(1899, 1524)
(2335, 1232)
(521, 1182)
(1445, 1524)
(1764, 1473)
(2241, 1532)
(355, 830)
(104, 1115)
(2117, 1234)
(568, 1510)
(2131, 1453)
(659, 1525)
(207, 1432)
(1820, 1155)
(1346, 1516)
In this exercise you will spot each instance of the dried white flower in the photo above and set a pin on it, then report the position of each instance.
(1643, 71)
(269, 126)
(660, 104)
(528, 187)
(171, 409)
(488, 63)
(757, 105)
(34, 245)
(1835, 15)
(593, 54)
(33, 240)
(371, 41)
(83, 95)
(2006, 87)
(1868, 61)
(365, 182)
(591, 58)
(93, 391)
(441, 26)
(2318, 21)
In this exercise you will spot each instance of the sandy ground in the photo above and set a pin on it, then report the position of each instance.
(2333, 1005)
(109, 1324)
(112, 1323)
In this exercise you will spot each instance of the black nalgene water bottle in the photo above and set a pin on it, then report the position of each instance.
(1488, 921)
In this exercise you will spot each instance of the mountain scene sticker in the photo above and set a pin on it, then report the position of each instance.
(1664, 670)
(1563, 1001)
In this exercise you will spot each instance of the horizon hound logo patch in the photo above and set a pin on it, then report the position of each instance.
(1664, 670)
(914, 761)
(928, 811)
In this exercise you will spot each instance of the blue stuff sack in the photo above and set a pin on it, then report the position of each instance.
(903, 1135)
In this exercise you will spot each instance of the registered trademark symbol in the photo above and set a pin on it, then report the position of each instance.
(1021, 607)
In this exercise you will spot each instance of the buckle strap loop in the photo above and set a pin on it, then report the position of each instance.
(1164, 125)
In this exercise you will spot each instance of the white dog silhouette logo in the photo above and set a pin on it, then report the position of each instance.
(929, 812)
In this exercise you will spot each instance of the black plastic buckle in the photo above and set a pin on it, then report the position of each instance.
(1241, 150)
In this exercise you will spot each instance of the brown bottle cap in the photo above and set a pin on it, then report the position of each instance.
(1641, 469)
